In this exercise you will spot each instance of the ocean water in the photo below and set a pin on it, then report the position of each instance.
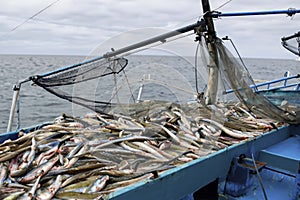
(174, 79)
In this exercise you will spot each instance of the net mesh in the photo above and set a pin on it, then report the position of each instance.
(94, 84)
(74, 82)
(234, 74)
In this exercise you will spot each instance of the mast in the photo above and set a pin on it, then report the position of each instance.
(212, 85)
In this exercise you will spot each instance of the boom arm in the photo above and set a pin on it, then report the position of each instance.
(292, 49)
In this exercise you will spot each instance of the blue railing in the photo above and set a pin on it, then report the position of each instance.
(273, 85)
(289, 12)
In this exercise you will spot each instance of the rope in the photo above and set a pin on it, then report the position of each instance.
(259, 178)
(30, 18)
(150, 81)
(222, 5)
(196, 68)
(233, 45)
(18, 114)
(116, 94)
(236, 50)
(164, 84)
(298, 40)
(127, 81)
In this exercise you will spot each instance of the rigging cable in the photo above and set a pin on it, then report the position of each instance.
(222, 5)
(127, 81)
(227, 38)
(298, 40)
(18, 114)
(196, 68)
(33, 16)
(259, 178)
(237, 52)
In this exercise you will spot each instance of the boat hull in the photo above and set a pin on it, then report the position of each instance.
(188, 178)
(278, 97)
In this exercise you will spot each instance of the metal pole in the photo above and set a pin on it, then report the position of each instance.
(289, 12)
(212, 85)
(13, 106)
(290, 37)
(159, 38)
(140, 92)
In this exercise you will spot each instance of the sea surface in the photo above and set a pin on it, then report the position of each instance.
(174, 78)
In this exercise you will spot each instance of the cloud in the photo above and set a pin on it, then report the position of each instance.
(77, 27)
(253, 34)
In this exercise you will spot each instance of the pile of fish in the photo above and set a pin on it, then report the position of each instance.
(93, 156)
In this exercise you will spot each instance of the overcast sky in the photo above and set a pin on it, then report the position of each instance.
(76, 27)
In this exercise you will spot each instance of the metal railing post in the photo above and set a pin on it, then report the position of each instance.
(16, 89)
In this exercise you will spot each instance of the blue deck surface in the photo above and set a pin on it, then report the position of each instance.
(277, 187)
(280, 176)
(284, 155)
(289, 148)
(186, 179)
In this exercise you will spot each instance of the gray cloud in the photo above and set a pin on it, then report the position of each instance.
(259, 36)
(77, 27)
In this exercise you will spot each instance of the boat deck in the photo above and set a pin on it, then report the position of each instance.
(278, 148)
(285, 155)
(280, 176)
(188, 178)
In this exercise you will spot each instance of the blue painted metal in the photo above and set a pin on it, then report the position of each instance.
(284, 155)
(278, 96)
(274, 12)
(277, 187)
(296, 85)
(276, 180)
(268, 84)
(283, 80)
(238, 180)
(70, 66)
(13, 135)
(10, 135)
(297, 188)
(186, 179)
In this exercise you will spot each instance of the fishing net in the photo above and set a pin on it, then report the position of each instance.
(77, 83)
(106, 84)
(235, 75)
(292, 43)
(98, 84)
